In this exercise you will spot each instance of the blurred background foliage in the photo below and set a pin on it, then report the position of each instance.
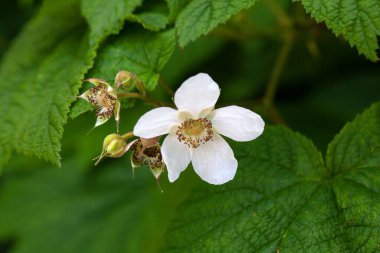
(82, 208)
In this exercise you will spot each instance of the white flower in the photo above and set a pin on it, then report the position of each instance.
(195, 128)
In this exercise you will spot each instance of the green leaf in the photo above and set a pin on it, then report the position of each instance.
(142, 52)
(40, 75)
(357, 146)
(175, 7)
(201, 16)
(150, 20)
(357, 21)
(107, 17)
(139, 51)
(284, 199)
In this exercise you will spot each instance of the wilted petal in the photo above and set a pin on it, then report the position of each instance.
(156, 122)
(85, 95)
(214, 161)
(117, 114)
(197, 93)
(238, 123)
(96, 81)
(176, 156)
(100, 120)
(147, 143)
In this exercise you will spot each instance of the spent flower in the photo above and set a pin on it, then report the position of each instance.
(195, 129)
(147, 152)
(105, 100)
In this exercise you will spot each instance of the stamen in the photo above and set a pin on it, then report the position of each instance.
(103, 101)
(194, 132)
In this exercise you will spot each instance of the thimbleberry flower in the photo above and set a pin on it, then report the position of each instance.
(104, 98)
(195, 129)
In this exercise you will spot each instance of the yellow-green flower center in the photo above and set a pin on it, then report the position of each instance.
(194, 132)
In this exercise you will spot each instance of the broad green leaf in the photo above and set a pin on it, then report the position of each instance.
(200, 16)
(357, 21)
(107, 17)
(40, 76)
(356, 149)
(284, 199)
(142, 52)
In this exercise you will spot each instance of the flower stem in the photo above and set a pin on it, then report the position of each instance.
(283, 18)
(277, 70)
(142, 97)
(128, 135)
(166, 87)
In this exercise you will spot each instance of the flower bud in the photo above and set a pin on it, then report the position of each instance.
(113, 146)
(116, 148)
(124, 79)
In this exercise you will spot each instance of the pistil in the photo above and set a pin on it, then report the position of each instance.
(194, 132)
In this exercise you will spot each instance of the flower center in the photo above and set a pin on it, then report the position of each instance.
(194, 132)
(104, 102)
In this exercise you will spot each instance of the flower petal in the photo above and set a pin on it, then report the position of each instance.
(85, 95)
(156, 122)
(238, 123)
(176, 156)
(100, 120)
(116, 113)
(197, 93)
(96, 81)
(214, 161)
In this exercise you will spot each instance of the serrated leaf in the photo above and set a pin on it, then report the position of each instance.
(357, 21)
(40, 75)
(150, 20)
(284, 199)
(142, 52)
(200, 16)
(107, 17)
(357, 146)
(175, 7)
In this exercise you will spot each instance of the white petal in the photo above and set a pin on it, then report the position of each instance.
(238, 123)
(214, 161)
(156, 122)
(196, 94)
(176, 156)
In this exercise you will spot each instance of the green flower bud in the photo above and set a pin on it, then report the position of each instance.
(124, 79)
(116, 148)
(113, 146)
